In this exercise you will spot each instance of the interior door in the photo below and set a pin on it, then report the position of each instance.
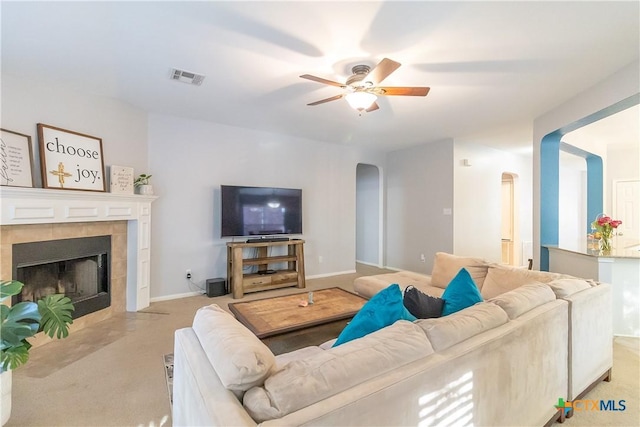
(626, 208)
(507, 219)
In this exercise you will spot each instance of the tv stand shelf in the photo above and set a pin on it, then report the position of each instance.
(241, 283)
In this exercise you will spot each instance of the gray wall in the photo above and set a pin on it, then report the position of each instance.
(419, 185)
(190, 160)
(122, 127)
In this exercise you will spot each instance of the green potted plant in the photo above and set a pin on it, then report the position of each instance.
(51, 315)
(143, 184)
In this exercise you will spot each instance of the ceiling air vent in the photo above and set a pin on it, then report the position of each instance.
(186, 77)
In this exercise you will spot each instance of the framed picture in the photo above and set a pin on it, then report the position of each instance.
(121, 179)
(70, 160)
(16, 158)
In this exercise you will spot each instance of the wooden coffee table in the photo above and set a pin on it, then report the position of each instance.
(278, 315)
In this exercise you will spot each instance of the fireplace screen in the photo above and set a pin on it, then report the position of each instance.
(77, 268)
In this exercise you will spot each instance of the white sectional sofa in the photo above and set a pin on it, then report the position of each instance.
(505, 361)
(590, 308)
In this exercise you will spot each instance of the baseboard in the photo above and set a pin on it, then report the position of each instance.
(176, 296)
(193, 294)
(337, 273)
(394, 268)
(371, 264)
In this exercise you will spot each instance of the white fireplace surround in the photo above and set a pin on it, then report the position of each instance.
(20, 206)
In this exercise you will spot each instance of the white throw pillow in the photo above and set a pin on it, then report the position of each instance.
(239, 358)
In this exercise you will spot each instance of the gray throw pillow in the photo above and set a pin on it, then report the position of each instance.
(421, 305)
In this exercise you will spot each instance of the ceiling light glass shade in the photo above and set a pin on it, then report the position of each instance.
(360, 100)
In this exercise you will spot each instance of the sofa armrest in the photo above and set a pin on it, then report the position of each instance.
(590, 337)
(199, 398)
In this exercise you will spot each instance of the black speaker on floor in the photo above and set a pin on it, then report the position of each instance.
(216, 287)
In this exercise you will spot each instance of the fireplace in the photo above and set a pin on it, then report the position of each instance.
(79, 268)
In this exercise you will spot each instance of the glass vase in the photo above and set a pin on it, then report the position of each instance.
(605, 245)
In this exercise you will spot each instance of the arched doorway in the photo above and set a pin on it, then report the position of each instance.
(368, 215)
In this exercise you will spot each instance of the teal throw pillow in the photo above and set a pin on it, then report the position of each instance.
(383, 309)
(461, 293)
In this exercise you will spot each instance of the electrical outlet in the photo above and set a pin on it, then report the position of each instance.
(320, 259)
(422, 258)
(188, 273)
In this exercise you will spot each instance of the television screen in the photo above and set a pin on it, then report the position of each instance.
(260, 211)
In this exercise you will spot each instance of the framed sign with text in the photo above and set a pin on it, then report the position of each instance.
(70, 160)
(121, 179)
(16, 158)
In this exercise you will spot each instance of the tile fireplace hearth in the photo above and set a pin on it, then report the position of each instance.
(39, 215)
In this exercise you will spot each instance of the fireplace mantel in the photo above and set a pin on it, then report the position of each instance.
(23, 206)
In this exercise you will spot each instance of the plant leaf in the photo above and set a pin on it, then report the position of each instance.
(9, 288)
(14, 356)
(56, 315)
(19, 322)
(13, 333)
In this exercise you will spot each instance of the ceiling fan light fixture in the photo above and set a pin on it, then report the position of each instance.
(360, 100)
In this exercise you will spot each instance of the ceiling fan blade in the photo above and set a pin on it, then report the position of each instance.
(382, 71)
(322, 101)
(373, 107)
(324, 81)
(403, 91)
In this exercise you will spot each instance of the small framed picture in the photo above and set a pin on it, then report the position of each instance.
(70, 160)
(16, 158)
(121, 179)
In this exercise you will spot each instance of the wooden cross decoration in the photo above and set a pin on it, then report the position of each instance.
(60, 173)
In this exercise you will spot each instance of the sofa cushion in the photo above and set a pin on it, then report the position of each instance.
(566, 287)
(368, 286)
(523, 299)
(382, 310)
(421, 305)
(301, 353)
(461, 293)
(502, 278)
(446, 266)
(447, 331)
(304, 382)
(239, 358)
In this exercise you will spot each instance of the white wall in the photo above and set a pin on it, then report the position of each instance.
(186, 217)
(627, 164)
(419, 185)
(572, 204)
(123, 128)
(478, 200)
(368, 214)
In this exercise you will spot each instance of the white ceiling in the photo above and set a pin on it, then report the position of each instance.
(492, 66)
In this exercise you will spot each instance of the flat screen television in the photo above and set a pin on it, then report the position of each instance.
(260, 211)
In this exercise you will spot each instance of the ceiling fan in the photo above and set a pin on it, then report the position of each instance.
(362, 87)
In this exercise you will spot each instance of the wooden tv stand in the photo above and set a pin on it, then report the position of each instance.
(241, 283)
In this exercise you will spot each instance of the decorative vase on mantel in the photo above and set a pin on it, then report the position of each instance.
(145, 190)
